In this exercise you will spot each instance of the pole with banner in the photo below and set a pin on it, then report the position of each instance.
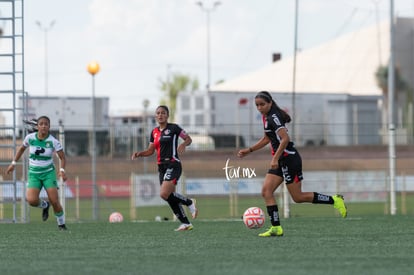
(62, 195)
(242, 102)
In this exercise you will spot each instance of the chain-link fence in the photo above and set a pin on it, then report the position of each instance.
(358, 172)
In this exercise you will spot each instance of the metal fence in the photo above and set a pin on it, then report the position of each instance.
(118, 178)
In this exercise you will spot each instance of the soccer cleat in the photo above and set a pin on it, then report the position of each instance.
(193, 209)
(274, 231)
(185, 227)
(45, 212)
(62, 227)
(340, 205)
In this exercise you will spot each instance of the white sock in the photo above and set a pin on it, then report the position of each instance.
(61, 219)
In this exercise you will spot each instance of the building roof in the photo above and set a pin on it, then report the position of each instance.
(345, 65)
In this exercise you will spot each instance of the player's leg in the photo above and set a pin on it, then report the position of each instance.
(167, 193)
(173, 174)
(295, 190)
(292, 173)
(51, 187)
(271, 183)
(32, 195)
(183, 200)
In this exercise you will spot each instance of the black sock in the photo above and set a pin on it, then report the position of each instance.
(178, 210)
(322, 199)
(180, 199)
(273, 212)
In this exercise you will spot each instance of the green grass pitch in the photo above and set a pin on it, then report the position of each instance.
(375, 244)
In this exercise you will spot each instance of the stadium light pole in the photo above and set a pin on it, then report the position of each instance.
(391, 125)
(295, 50)
(286, 205)
(45, 30)
(208, 10)
(145, 103)
(93, 69)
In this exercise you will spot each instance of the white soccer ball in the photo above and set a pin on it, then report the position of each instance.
(116, 217)
(254, 217)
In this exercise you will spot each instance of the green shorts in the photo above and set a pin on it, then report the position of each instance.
(39, 180)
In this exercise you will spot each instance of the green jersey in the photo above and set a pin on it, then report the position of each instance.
(41, 152)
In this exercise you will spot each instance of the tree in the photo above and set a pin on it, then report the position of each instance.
(382, 80)
(172, 87)
(403, 91)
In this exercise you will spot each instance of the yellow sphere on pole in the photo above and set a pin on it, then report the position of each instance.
(93, 67)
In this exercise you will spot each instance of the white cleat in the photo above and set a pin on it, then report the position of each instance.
(193, 209)
(185, 227)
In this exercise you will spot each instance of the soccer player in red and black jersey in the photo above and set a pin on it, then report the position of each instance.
(286, 164)
(164, 139)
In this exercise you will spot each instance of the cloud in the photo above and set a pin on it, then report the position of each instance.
(135, 41)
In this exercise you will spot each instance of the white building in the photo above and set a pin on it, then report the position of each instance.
(74, 112)
(131, 131)
(336, 99)
(116, 135)
(75, 115)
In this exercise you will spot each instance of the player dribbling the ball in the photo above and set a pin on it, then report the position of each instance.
(164, 140)
(285, 165)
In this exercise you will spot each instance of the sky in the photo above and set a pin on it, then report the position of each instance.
(138, 43)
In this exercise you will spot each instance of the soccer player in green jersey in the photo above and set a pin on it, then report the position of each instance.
(42, 172)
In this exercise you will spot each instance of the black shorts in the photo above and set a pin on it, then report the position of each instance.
(169, 171)
(290, 168)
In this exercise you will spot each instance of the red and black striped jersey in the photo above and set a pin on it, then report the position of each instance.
(166, 142)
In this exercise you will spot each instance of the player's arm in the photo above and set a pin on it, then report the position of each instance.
(62, 171)
(146, 153)
(257, 146)
(18, 155)
(187, 141)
